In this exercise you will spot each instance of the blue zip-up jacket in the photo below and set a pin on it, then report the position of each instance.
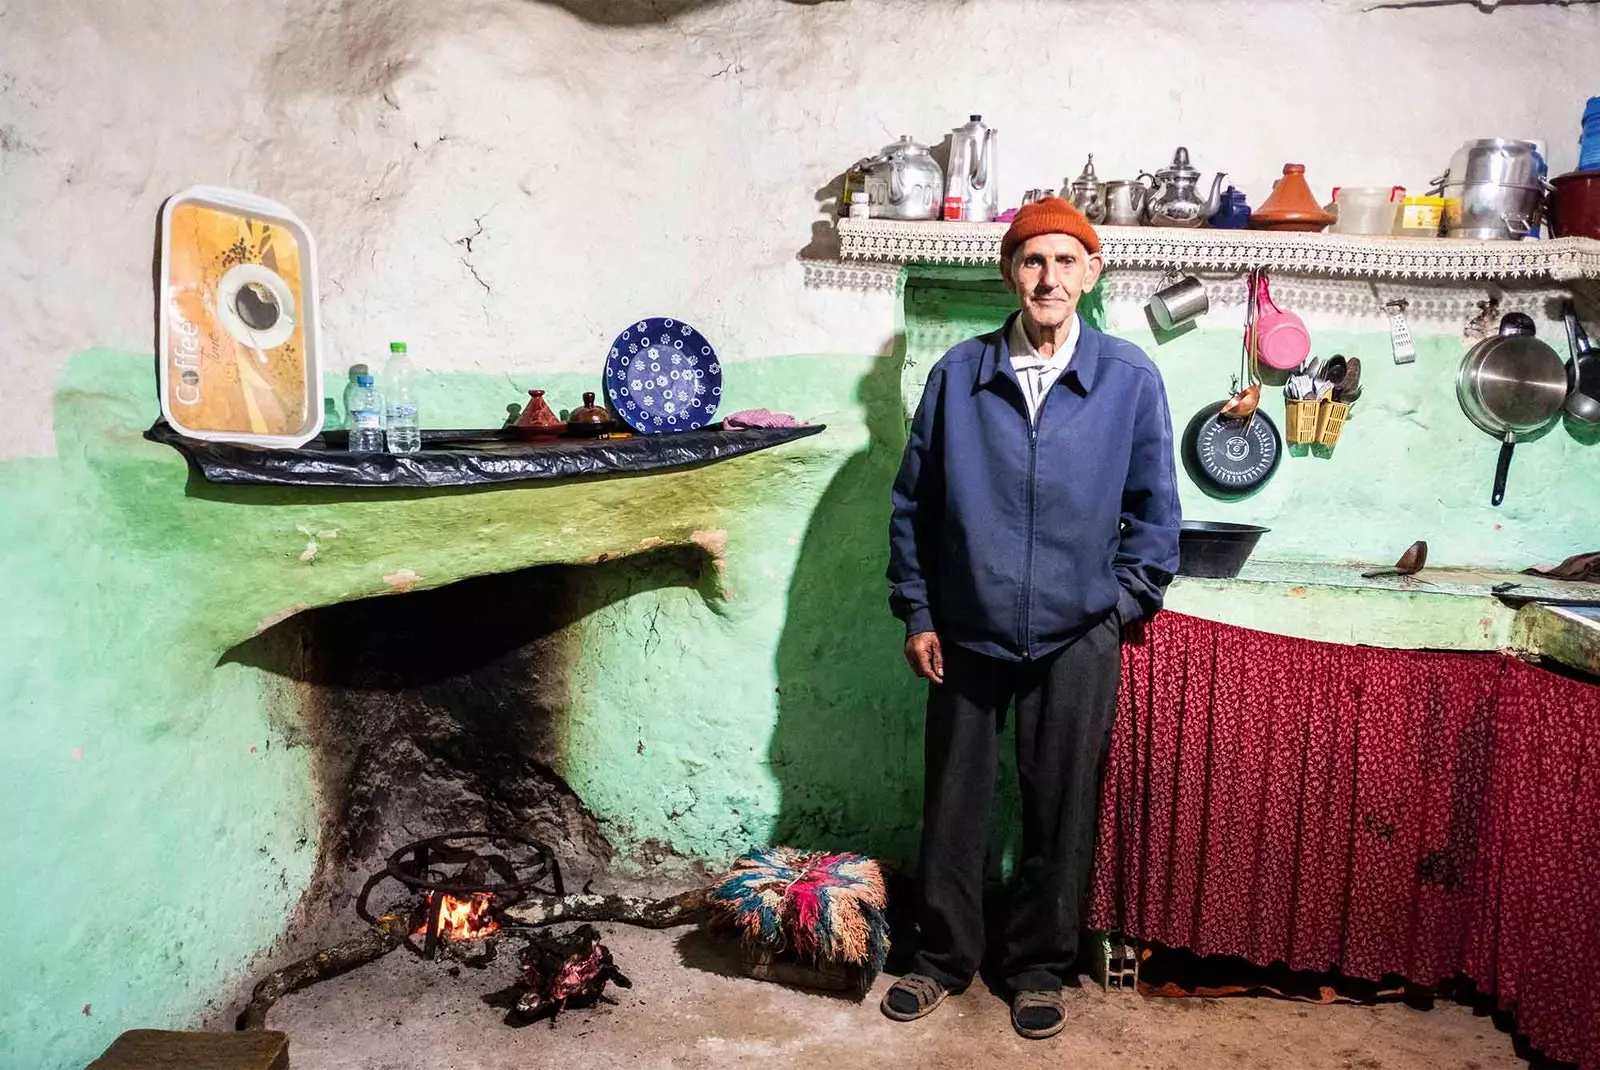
(1008, 537)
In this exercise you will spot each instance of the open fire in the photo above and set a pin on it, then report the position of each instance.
(463, 919)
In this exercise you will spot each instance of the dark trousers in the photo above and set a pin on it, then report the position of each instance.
(1065, 703)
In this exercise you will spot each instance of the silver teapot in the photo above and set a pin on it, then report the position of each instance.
(903, 182)
(1088, 193)
(1175, 199)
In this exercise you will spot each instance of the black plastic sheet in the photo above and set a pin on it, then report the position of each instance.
(463, 458)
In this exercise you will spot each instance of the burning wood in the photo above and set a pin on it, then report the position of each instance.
(497, 885)
(463, 919)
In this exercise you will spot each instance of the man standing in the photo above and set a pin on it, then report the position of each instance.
(1035, 517)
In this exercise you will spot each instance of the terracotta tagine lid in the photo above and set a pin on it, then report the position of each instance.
(589, 421)
(1291, 206)
(537, 419)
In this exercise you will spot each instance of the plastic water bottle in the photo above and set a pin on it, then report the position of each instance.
(356, 372)
(400, 411)
(366, 417)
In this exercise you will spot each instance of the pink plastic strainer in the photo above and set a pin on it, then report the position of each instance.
(1282, 341)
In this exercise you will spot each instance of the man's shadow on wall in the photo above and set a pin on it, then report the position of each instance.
(847, 747)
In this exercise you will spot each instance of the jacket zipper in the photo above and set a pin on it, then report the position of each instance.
(1033, 484)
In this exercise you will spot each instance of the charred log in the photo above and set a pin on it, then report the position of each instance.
(682, 909)
(386, 935)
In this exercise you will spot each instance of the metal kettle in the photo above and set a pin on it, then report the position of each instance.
(1175, 200)
(1089, 193)
(904, 181)
(972, 191)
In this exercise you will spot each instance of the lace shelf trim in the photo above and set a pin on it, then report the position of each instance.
(1561, 259)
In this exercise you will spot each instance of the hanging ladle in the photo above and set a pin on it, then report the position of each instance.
(1243, 403)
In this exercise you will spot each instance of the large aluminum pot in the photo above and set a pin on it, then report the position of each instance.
(1511, 386)
(1494, 188)
(1491, 211)
(1501, 161)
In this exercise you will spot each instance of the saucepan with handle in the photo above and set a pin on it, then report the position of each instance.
(1583, 373)
(1511, 385)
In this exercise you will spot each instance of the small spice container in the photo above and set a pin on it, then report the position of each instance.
(589, 421)
(1420, 217)
(537, 421)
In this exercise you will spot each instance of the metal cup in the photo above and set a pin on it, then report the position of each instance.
(1124, 201)
(1176, 304)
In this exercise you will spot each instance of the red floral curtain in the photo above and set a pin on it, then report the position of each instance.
(1378, 811)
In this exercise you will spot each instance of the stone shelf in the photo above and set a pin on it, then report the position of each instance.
(1559, 259)
(1437, 609)
(468, 458)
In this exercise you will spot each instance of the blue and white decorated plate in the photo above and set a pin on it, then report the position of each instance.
(662, 375)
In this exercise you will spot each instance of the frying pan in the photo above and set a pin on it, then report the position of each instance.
(1583, 372)
(1511, 385)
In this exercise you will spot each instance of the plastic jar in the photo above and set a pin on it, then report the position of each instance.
(1367, 209)
(1420, 217)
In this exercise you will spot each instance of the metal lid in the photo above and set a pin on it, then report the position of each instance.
(904, 145)
(1180, 165)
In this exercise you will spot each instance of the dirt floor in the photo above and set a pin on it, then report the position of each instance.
(690, 1008)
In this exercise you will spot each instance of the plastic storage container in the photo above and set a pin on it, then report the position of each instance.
(1420, 217)
(237, 334)
(1366, 209)
(1589, 145)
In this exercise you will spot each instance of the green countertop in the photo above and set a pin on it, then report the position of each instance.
(1437, 609)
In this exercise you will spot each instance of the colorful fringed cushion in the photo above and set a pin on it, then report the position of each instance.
(823, 907)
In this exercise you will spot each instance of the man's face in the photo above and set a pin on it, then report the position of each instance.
(1048, 274)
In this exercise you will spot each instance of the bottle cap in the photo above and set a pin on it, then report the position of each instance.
(358, 370)
(397, 347)
(363, 380)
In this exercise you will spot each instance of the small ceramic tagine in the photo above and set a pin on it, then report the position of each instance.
(590, 421)
(537, 421)
(1291, 206)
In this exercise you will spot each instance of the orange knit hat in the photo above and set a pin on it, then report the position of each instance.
(1049, 215)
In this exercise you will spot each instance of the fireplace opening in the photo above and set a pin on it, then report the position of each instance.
(434, 712)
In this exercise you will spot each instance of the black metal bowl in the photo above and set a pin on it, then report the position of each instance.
(1215, 549)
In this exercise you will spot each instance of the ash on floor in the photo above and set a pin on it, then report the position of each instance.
(691, 1009)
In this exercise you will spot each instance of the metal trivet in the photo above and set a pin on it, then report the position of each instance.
(464, 864)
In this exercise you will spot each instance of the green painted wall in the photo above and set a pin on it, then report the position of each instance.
(168, 832)
(1408, 466)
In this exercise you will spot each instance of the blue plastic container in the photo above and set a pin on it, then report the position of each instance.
(1589, 156)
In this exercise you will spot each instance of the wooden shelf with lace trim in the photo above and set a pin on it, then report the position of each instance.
(1560, 259)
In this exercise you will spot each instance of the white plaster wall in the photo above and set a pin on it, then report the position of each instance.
(622, 164)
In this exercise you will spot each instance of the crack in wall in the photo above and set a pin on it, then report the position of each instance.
(465, 260)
